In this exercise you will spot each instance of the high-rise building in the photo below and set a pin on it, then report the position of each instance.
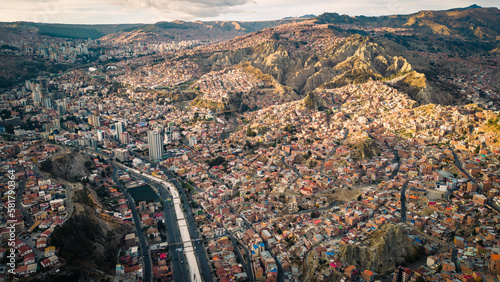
(125, 138)
(94, 120)
(57, 123)
(66, 101)
(120, 128)
(60, 110)
(100, 135)
(192, 140)
(47, 102)
(37, 97)
(93, 143)
(155, 145)
(122, 154)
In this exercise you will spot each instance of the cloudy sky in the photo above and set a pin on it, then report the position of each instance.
(150, 11)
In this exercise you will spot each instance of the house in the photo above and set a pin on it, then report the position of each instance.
(24, 250)
(351, 271)
(130, 240)
(48, 262)
(25, 270)
(41, 243)
(480, 199)
(50, 251)
(367, 275)
(29, 259)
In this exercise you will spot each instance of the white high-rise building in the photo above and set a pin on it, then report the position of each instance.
(100, 135)
(47, 102)
(155, 145)
(37, 97)
(192, 140)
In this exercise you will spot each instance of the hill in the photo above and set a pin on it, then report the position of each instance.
(383, 249)
(73, 31)
(88, 243)
(197, 30)
(306, 61)
(71, 166)
(471, 22)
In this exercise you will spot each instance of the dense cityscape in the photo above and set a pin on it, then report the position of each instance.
(300, 152)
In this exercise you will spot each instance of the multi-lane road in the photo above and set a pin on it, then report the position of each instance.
(199, 249)
(189, 259)
(178, 261)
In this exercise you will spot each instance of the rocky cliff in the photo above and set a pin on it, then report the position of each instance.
(381, 252)
(354, 60)
(365, 150)
(72, 166)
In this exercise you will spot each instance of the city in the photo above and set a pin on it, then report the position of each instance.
(312, 150)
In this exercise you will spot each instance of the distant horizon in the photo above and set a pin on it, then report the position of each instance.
(115, 12)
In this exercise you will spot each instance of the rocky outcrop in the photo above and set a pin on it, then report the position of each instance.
(313, 102)
(355, 60)
(365, 150)
(72, 166)
(383, 250)
(427, 92)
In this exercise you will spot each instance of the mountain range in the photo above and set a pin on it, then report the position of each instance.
(471, 22)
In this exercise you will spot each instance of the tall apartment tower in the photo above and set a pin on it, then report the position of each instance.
(120, 128)
(155, 144)
(125, 138)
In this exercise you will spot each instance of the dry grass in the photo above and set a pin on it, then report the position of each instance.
(415, 79)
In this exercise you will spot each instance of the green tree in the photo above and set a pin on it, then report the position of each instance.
(46, 165)
(250, 132)
(289, 128)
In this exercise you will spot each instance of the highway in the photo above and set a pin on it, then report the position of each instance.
(193, 253)
(147, 269)
(173, 236)
(193, 231)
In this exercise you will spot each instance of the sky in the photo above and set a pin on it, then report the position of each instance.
(151, 11)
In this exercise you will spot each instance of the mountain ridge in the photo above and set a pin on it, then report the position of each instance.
(469, 22)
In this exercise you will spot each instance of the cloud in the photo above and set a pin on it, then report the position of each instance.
(185, 8)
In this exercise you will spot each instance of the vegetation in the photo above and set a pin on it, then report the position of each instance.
(216, 162)
(250, 132)
(289, 128)
(74, 239)
(46, 166)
